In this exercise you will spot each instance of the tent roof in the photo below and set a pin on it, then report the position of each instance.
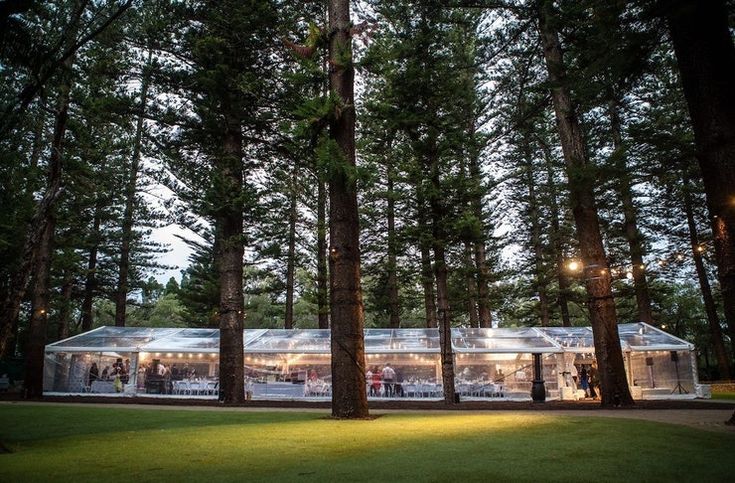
(636, 337)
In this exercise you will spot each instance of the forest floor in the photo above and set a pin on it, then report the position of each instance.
(50, 442)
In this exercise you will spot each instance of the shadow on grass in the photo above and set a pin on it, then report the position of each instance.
(31, 423)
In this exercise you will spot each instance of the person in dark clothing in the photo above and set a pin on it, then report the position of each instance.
(93, 375)
(584, 381)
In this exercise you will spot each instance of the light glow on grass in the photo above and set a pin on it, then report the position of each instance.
(57, 443)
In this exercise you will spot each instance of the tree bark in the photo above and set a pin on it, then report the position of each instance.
(427, 272)
(121, 294)
(471, 282)
(556, 236)
(439, 239)
(706, 57)
(322, 280)
(230, 251)
(483, 293)
(713, 320)
(630, 215)
(483, 273)
(349, 398)
(90, 282)
(394, 305)
(614, 385)
(64, 313)
(291, 256)
(538, 249)
(37, 326)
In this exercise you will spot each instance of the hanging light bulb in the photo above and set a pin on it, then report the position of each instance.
(629, 275)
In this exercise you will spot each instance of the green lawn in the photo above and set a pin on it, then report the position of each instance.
(724, 395)
(89, 444)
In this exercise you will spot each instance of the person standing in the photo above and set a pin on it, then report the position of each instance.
(584, 381)
(94, 374)
(389, 376)
(594, 381)
(375, 387)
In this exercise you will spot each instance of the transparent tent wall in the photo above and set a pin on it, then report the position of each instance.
(72, 372)
(178, 373)
(662, 372)
(505, 375)
(416, 375)
(287, 375)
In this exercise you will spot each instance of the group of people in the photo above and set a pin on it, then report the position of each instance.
(387, 378)
(118, 373)
(586, 377)
(157, 371)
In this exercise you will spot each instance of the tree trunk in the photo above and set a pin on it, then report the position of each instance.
(349, 398)
(9, 327)
(427, 274)
(33, 382)
(229, 243)
(64, 314)
(538, 249)
(394, 305)
(630, 216)
(706, 57)
(471, 281)
(90, 283)
(614, 385)
(483, 293)
(439, 239)
(291, 257)
(37, 227)
(38, 141)
(121, 294)
(556, 236)
(713, 320)
(37, 326)
(467, 196)
(476, 198)
(322, 280)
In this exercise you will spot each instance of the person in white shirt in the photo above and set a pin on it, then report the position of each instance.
(388, 376)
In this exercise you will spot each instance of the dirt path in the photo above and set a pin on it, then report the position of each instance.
(705, 419)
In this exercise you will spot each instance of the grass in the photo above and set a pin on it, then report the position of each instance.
(730, 396)
(58, 443)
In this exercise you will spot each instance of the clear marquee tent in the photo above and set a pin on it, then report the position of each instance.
(489, 363)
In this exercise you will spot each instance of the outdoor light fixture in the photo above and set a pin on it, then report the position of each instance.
(573, 266)
(629, 275)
